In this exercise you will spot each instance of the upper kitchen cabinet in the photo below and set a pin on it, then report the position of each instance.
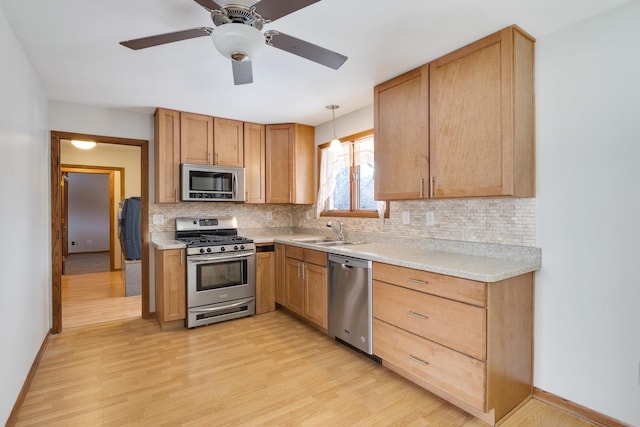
(255, 163)
(401, 121)
(167, 155)
(482, 118)
(196, 139)
(289, 163)
(228, 142)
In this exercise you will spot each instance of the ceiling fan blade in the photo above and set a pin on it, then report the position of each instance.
(209, 4)
(274, 9)
(307, 50)
(242, 72)
(159, 39)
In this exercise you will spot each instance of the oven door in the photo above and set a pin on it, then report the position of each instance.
(216, 278)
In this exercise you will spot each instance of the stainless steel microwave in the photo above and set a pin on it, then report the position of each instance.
(206, 183)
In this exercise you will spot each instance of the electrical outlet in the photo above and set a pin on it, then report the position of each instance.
(158, 219)
(307, 214)
(269, 216)
(430, 219)
(406, 218)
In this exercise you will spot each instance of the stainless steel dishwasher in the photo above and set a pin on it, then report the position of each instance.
(350, 301)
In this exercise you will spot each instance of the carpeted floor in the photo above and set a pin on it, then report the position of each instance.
(92, 262)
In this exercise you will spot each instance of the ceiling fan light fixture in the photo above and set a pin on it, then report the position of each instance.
(83, 145)
(238, 41)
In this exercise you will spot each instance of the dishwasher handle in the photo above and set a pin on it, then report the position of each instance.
(346, 261)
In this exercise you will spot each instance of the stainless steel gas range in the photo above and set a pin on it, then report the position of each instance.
(221, 274)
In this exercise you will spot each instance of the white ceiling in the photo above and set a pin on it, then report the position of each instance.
(73, 46)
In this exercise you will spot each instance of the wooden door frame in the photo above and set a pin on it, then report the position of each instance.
(102, 170)
(56, 223)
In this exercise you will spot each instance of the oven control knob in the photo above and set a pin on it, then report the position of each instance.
(201, 250)
(222, 249)
(242, 247)
(235, 248)
(209, 250)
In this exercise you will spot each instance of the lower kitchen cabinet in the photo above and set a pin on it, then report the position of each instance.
(306, 284)
(469, 342)
(171, 303)
(265, 280)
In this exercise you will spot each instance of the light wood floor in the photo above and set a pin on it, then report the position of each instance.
(270, 369)
(93, 298)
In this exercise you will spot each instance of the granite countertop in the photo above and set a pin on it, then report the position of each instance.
(473, 267)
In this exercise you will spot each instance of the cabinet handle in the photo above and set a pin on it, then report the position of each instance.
(217, 158)
(298, 270)
(209, 157)
(418, 360)
(418, 315)
(303, 266)
(421, 188)
(432, 184)
(175, 194)
(181, 258)
(418, 281)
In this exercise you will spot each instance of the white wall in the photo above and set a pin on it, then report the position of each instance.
(587, 342)
(25, 264)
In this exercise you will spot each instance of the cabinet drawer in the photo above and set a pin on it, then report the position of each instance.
(463, 290)
(295, 252)
(315, 257)
(446, 369)
(453, 324)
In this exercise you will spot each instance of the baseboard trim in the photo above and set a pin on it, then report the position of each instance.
(13, 416)
(578, 410)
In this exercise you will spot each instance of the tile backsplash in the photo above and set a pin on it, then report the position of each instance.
(498, 221)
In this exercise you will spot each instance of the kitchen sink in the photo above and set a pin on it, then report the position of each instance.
(313, 240)
(338, 243)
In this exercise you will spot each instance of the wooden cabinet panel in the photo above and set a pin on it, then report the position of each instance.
(196, 138)
(255, 162)
(402, 136)
(265, 282)
(228, 142)
(459, 326)
(167, 155)
(281, 275)
(315, 294)
(452, 372)
(481, 118)
(279, 166)
(455, 288)
(170, 285)
(294, 291)
(290, 153)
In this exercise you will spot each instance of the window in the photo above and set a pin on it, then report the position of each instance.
(346, 178)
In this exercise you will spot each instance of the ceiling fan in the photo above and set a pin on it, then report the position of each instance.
(238, 35)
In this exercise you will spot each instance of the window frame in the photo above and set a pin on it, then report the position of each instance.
(353, 190)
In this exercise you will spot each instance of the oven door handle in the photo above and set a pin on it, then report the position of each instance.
(197, 259)
(225, 307)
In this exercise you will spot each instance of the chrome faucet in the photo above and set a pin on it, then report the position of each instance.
(340, 231)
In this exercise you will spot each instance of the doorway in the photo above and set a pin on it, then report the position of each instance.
(58, 220)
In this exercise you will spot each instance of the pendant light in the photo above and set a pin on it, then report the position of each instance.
(335, 142)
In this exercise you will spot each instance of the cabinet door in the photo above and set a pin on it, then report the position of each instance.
(279, 143)
(481, 112)
(281, 275)
(315, 294)
(401, 136)
(265, 282)
(255, 162)
(167, 156)
(196, 139)
(302, 184)
(228, 142)
(294, 292)
(170, 285)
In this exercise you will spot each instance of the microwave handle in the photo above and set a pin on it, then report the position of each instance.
(235, 186)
